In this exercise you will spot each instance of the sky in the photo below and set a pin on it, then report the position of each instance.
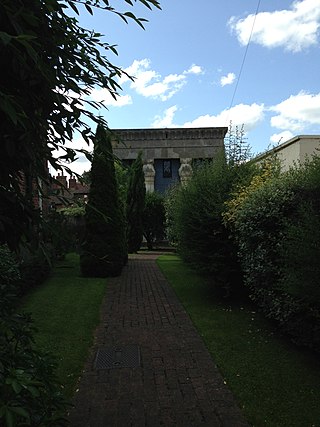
(206, 63)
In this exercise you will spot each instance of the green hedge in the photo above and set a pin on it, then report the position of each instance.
(29, 391)
(277, 229)
(195, 222)
(34, 270)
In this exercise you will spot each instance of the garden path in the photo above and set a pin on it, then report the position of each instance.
(167, 378)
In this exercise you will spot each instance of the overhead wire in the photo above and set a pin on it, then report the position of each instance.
(244, 58)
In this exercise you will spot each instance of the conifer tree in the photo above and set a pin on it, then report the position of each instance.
(104, 247)
(135, 205)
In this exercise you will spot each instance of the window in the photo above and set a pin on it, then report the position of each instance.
(167, 169)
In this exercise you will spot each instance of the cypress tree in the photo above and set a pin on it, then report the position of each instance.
(135, 205)
(104, 247)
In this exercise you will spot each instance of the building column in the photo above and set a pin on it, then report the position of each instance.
(185, 170)
(149, 174)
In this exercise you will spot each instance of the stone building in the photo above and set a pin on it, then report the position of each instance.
(168, 154)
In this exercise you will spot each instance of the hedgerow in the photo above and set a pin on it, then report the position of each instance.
(277, 230)
(30, 394)
(196, 222)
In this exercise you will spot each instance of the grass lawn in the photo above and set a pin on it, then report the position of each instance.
(66, 311)
(276, 383)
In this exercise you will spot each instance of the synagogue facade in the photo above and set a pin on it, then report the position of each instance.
(168, 154)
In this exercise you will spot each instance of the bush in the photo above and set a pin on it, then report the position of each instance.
(277, 229)
(135, 205)
(197, 223)
(34, 269)
(29, 392)
(9, 279)
(153, 218)
(56, 235)
(104, 251)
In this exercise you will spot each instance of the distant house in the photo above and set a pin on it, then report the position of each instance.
(168, 154)
(66, 192)
(294, 151)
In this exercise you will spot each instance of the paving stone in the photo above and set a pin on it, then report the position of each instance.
(177, 382)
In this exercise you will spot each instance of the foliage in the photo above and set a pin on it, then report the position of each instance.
(196, 214)
(55, 235)
(103, 252)
(85, 178)
(153, 218)
(237, 149)
(300, 252)
(277, 229)
(29, 391)
(122, 177)
(136, 194)
(34, 269)
(274, 382)
(261, 173)
(77, 209)
(52, 65)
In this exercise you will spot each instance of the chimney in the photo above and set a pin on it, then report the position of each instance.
(72, 183)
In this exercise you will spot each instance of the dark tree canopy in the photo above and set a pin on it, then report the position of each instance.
(51, 65)
(104, 248)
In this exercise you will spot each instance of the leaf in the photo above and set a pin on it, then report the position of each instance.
(88, 9)
(34, 391)
(73, 7)
(7, 106)
(5, 37)
(20, 411)
(25, 37)
(16, 386)
(9, 418)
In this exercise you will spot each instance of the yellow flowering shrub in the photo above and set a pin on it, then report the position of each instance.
(266, 171)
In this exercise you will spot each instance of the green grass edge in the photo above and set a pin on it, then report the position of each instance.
(275, 383)
(66, 310)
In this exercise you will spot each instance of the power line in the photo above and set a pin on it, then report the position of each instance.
(244, 57)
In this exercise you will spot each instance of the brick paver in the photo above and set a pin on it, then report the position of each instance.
(177, 382)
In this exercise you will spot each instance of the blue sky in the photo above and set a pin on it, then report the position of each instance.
(187, 66)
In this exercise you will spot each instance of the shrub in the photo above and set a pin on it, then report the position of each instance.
(277, 229)
(197, 223)
(135, 205)
(9, 278)
(55, 234)
(103, 252)
(34, 269)
(29, 392)
(153, 218)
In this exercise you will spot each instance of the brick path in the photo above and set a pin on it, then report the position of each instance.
(176, 384)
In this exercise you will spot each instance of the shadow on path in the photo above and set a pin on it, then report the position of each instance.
(153, 368)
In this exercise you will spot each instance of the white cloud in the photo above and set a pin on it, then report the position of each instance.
(103, 95)
(194, 69)
(151, 84)
(297, 112)
(228, 79)
(294, 29)
(249, 115)
(167, 119)
(281, 137)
